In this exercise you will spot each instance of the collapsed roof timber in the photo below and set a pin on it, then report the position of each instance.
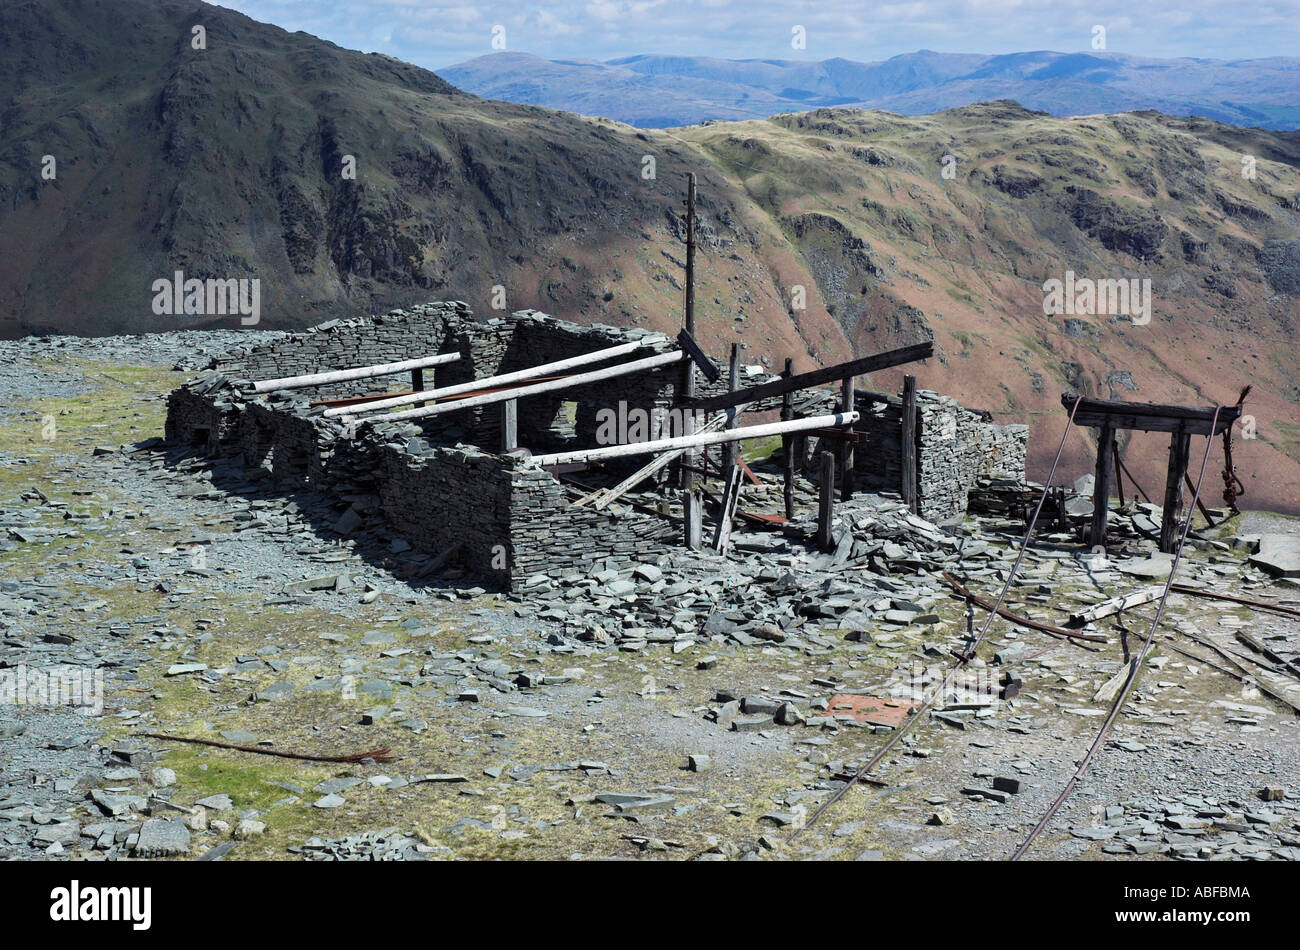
(497, 464)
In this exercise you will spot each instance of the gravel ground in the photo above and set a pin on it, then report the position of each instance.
(215, 607)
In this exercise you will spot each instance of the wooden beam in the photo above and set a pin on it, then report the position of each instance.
(488, 382)
(699, 439)
(517, 392)
(910, 486)
(826, 502)
(1150, 416)
(1180, 444)
(818, 377)
(1101, 487)
(358, 372)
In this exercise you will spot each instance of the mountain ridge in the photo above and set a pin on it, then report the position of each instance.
(823, 233)
(1258, 92)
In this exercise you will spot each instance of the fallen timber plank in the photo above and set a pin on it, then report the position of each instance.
(517, 392)
(817, 377)
(692, 441)
(1149, 416)
(1016, 618)
(357, 372)
(1114, 605)
(531, 373)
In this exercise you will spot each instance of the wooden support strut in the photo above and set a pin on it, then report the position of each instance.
(846, 446)
(911, 486)
(826, 501)
(357, 372)
(1180, 444)
(1101, 486)
(509, 425)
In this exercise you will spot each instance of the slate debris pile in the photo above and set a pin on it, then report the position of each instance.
(387, 844)
(1200, 828)
(767, 591)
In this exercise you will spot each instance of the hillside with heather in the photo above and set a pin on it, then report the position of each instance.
(823, 233)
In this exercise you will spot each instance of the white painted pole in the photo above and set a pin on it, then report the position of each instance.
(595, 376)
(489, 382)
(703, 438)
(359, 372)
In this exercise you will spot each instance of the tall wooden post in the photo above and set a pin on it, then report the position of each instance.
(731, 450)
(1180, 444)
(908, 437)
(826, 501)
(846, 445)
(731, 471)
(788, 443)
(1101, 486)
(509, 425)
(691, 509)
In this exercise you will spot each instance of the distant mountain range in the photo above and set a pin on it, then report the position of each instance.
(823, 234)
(662, 91)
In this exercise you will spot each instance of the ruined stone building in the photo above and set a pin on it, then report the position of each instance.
(447, 479)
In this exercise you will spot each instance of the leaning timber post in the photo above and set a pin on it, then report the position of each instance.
(1101, 486)
(908, 436)
(509, 425)
(826, 501)
(788, 443)
(692, 513)
(1180, 444)
(846, 446)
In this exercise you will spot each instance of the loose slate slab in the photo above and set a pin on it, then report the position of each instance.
(162, 837)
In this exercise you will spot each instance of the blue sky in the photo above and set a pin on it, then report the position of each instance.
(435, 34)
